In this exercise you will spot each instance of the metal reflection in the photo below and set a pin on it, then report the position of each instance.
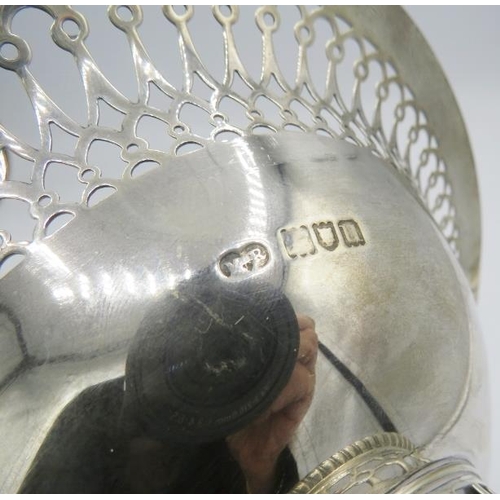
(242, 317)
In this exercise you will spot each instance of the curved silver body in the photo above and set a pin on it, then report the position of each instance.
(343, 231)
(338, 226)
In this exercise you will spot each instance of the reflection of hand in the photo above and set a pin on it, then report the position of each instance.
(258, 446)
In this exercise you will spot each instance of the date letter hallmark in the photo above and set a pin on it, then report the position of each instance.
(353, 237)
(244, 260)
(299, 241)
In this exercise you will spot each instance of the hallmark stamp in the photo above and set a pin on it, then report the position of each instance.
(244, 260)
(353, 237)
(299, 241)
(326, 235)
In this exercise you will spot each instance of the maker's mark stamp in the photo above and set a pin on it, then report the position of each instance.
(245, 260)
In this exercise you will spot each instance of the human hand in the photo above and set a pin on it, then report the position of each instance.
(258, 446)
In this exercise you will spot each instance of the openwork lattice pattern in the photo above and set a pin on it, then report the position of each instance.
(310, 72)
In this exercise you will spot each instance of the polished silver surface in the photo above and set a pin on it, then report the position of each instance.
(389, 463)
(363, 214)
(375, 464)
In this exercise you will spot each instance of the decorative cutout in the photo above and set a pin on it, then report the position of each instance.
(303, 114)
(53, 69)
(124, 13)
(226, 136)
(57, 222)
(9, 51)
(338, 84)
(19, 169)
(143, 167)
(197, 119)
(9, 263)
(23, 123)
(109, 116)
(235, 112)
(16, 220)
(157, 98)
(155, 132)
(188, 147)
(100, 194)
(268, 109)
(62, 141)
(63, 179)
(71, 28)
(106, 156)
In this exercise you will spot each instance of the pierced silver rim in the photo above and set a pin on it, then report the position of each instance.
(432, 151)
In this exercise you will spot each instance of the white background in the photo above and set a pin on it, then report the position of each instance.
(466, 41)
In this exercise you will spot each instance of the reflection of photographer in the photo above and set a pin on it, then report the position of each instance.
(209, 409)
(255, 459)
(258, 446)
